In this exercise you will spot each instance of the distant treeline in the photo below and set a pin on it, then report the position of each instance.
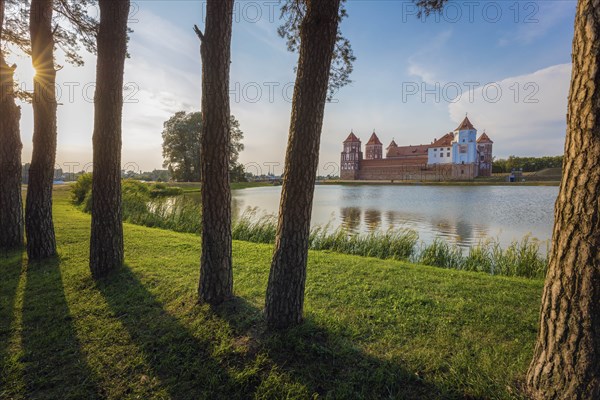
(528, 164)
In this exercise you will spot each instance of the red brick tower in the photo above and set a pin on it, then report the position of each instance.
(374, 148)
(484, 155)
(351, 158)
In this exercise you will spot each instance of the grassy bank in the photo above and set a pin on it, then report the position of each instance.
(374, 329)
(144, 205)
(192, 187)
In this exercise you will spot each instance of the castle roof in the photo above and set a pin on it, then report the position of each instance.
(352, 138)
(409, 151)
(484, 138)
(444, 141)
(392, 144)
(465, 125)
(374, 140)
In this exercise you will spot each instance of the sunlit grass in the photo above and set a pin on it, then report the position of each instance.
(374, 328)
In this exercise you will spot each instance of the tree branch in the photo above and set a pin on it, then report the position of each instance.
(199, 33)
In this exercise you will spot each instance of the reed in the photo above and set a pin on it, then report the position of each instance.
(147, 205)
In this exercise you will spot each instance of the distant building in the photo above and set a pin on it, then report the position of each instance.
(457, 155)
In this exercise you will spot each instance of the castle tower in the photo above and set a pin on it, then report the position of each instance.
(391, 147)
(464, 147)
(374, 148)
(484, 150)
(351, 158)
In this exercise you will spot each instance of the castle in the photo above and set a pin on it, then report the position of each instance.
(458, 155)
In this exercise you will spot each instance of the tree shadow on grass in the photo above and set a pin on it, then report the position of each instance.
(55, 366)
(11, 267)
(181, 361)
(327, 363)
(310, 356)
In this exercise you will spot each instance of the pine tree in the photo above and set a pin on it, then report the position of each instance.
(106, 243)
(41, 241)
(11, 204)
(566, 361)
(216, 275)
(318, 34)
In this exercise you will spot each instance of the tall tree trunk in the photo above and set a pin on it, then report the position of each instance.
(106, 243)
(285, 292)
(216, 276)
(11, 206)
(41, 241)
(566, 362)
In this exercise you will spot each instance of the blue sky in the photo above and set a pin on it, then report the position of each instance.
(509, 60)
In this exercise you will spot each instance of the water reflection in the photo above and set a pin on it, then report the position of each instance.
(372, 219)
(463, 215)
(350, 218)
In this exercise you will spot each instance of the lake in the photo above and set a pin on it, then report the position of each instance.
(463, 215)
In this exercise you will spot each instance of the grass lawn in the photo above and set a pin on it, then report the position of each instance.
(374, 329)
(190, 187)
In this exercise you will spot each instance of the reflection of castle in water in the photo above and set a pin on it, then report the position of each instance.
(355, 220)
(351, 218)
(372, 219)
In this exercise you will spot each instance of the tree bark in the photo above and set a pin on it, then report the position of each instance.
(106, 243)
(11, 205)
(216, 276)
(285, 292)
(566, 362)
(41, 241)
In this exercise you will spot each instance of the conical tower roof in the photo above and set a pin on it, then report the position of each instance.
(484, 138)
(374, 140)
(352, 138)
(465, 125)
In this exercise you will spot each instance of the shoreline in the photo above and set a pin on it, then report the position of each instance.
(432, 183)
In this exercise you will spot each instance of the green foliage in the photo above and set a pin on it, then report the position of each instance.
(81, 188)
(74, 27)
(142, 203)
(441, 254)
(428, 7)
(521, 258)
(238, 174)
(161, 206)
(374, 329)
(156, 175)
(393, 244)
(235, 145)
(257, 230)
(181, 145)
(162, 190)
(342, 65)
(528, 164)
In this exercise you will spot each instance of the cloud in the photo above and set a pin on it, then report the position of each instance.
(421, 63)
(524, 115)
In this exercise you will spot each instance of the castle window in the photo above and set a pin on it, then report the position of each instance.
(434, 149)
(441, 154)
(482, 158)
(448, 154)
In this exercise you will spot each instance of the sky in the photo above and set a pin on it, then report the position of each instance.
(505, 63)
